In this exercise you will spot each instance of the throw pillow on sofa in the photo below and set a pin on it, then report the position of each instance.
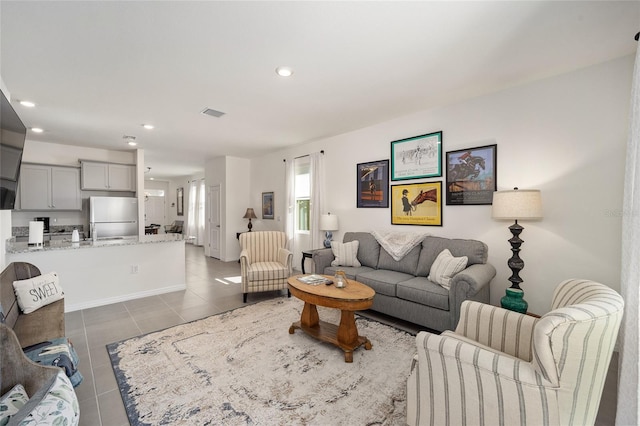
(37, 292)
(346, 254)
(11, 402)
(445, 267)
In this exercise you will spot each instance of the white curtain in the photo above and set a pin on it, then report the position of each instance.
(629, 379)
(317, 197)
(195, 212)
(290, 200)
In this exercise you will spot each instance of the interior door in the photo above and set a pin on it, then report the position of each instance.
(214, 221)
(154, 211)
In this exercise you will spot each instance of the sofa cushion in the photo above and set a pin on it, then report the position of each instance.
(476, 252)
(346, 254)
(265, 271)
(37, 292)
(421, 290)
(408, 264)
(383, 281)
(368, 250)
(446, 266)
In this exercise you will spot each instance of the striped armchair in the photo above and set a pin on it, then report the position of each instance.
(265, 263)
(504, 368)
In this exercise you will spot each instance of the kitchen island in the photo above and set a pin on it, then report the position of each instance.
(96, 273)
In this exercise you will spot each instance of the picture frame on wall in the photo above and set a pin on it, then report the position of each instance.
(471, 175)
(267, 205)
(373, 184)
(417, 204)
(417, 157)
(180, 201)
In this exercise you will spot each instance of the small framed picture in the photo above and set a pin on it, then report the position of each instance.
(373, 184)
(471, 175)
(417, 157)
(417, 204)
(267, 205)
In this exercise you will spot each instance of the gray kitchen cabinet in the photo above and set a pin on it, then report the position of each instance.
(44, 187)
(108, 176)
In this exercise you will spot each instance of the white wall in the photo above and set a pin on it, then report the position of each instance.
(564, 135)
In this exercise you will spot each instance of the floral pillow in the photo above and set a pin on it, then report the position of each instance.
(11, 402)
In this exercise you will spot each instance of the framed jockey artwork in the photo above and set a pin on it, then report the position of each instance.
(417, 204)
(417, 157)
(373, 184)
(471, 175)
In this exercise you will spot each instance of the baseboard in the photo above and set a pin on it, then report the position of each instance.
(124, 298)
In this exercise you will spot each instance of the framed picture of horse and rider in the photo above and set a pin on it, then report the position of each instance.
(471, 175)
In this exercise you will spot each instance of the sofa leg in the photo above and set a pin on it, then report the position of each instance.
(244, 297)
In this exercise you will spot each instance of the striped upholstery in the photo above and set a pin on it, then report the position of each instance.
(504, 368)
(265, 263)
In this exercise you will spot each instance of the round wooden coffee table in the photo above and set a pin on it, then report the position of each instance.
(354, 297)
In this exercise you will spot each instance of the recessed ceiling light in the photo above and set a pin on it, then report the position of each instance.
(148, 126)
(284, 71)
(27, 104)
(131, 140)
(37, 130)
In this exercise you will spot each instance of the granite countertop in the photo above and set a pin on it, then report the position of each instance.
(23, 247)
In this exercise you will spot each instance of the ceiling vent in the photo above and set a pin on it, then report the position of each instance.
(212, 112)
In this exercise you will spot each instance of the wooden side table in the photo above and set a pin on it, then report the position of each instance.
(307, 254)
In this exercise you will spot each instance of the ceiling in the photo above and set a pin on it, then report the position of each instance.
(98, 70)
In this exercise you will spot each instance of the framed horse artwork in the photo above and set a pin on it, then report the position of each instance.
(417, 157)
(373, 184)
(417, 204)
(471, 175)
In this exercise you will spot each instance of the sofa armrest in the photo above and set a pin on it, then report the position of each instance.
(322, 259)
(471, 283)
(503, 330)
(245, 261)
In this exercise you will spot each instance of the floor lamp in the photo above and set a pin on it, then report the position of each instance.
(516, 205)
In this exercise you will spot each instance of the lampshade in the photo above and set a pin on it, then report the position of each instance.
(517, 204)
(328, 222)
(249, 214)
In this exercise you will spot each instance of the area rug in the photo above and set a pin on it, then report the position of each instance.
(243, 367)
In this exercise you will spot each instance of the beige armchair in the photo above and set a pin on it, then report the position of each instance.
(265, 263)
(502, 367)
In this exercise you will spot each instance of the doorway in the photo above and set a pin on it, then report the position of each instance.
(154, 208)
(214, 222)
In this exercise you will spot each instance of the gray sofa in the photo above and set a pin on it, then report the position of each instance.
(402, 288)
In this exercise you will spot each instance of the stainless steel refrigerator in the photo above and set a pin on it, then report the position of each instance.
(111, 217)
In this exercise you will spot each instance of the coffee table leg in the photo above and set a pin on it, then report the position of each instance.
(347, 331)
(309, 317)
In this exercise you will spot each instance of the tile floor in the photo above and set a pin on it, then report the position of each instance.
(210, 289)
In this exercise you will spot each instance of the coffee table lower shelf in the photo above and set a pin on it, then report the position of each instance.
(345, 336)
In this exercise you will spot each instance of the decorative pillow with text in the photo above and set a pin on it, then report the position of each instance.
(37, 292)
(445, 267)
(346, 254)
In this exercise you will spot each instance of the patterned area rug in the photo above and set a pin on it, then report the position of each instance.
(243, 367)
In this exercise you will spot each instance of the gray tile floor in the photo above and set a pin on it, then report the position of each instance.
(212, 287)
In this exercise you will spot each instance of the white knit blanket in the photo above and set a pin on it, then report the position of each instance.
(398, 244)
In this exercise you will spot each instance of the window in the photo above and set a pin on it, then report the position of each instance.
(302, 189)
